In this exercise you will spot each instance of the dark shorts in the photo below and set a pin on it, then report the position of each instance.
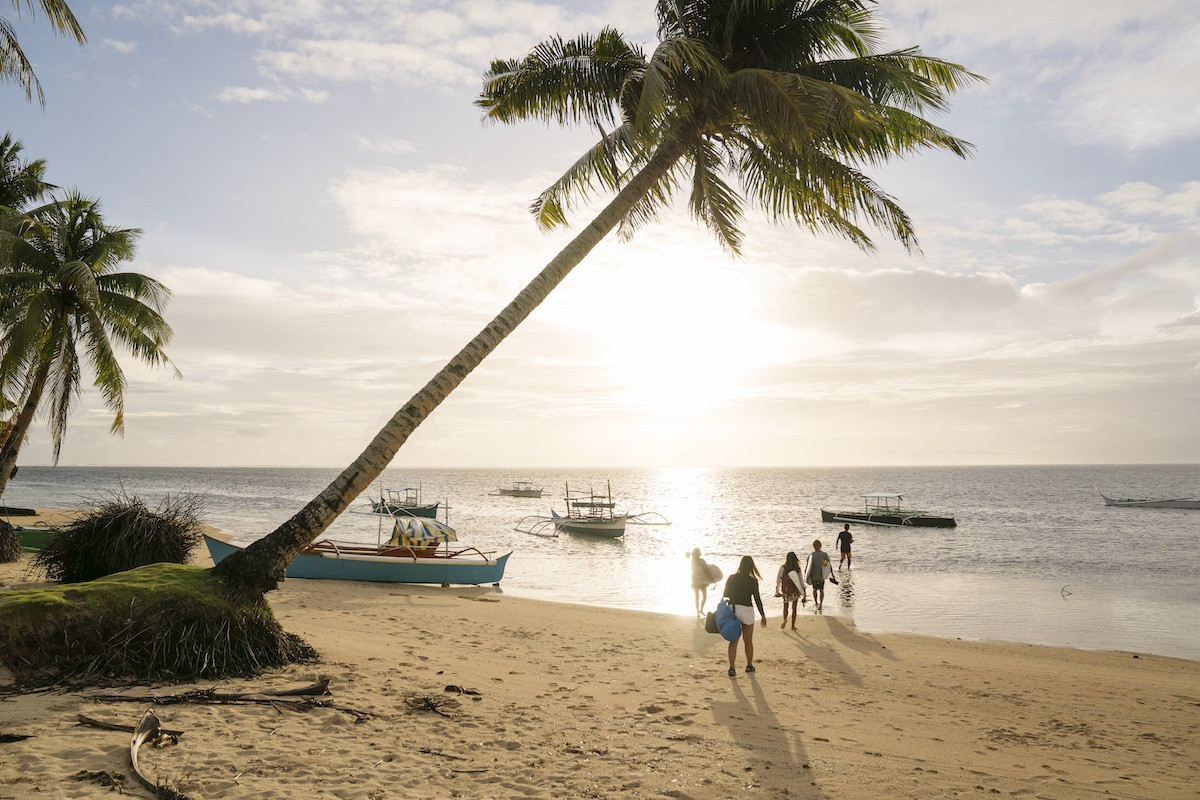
(818, 586)
(846, 549)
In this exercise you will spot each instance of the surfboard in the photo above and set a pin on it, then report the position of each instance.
(799, 584)
(714, 573)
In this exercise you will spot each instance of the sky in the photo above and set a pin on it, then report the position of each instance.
(335, 221)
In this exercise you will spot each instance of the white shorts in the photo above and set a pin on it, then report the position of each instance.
(745, 614)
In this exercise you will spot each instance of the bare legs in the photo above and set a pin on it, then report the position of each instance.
(792, 602)
(701, 599)
(748, 640)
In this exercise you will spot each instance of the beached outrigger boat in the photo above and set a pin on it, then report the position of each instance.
(404, 503)
(405, 558)
(35, 537)
(883, 508)
(588, 514)
(519, 489)
(1179, 502)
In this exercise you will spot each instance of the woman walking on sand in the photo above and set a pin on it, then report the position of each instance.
(790, 586)
(742, 590)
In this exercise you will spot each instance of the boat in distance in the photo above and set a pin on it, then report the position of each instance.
(589, 514)
(404, 503)
(1178, 502)
(384, 563)
(519, 489)
(883, 508)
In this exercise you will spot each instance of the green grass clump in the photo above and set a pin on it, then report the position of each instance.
(158, 622)
(120, 533)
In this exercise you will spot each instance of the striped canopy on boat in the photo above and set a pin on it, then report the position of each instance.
(420, 532)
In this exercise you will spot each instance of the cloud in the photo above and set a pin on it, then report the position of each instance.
(277, 94)
(119, 46)
(389, 146)
(1119, 72)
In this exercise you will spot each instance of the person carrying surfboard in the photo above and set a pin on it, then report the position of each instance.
(817, 571)
(702, 577)
(790, 587)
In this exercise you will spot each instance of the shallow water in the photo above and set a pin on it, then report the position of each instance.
(1037, 557)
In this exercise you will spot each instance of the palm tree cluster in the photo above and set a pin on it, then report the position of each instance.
(779, 104)
(65, 305)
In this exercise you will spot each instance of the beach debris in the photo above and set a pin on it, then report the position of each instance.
(169, 737)
(149, 729)
(5, 738)
(432, 752)
(430, 702)
(305, 698)
(1064, 592)
(103, 777)
(462, 690)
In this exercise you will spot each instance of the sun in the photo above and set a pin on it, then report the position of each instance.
(685, 339)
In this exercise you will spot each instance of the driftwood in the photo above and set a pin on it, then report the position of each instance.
(92, 722)
(276, 698)
(213, 696)
(5, 738)
(149, 730)
(462, 690)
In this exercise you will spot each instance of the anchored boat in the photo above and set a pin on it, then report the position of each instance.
(590, 514)
(884, 508)
(404, 503)
(1179, 502)
(519, 489)
(418, 552)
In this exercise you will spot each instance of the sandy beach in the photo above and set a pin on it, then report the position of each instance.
(576, 701)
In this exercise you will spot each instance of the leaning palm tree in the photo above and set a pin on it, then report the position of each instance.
(63, 300)
(14, 65)
(790, 99)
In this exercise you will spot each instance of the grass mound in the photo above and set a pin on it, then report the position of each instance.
(121, 533)
(158, 622)
(10, 543)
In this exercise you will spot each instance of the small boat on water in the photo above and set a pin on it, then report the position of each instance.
(883, 508)
(1178, 502)
(519, 489)
(414, 554)
(589, 514)
(404, 503)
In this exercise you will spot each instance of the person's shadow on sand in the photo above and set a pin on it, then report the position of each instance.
(776, 758)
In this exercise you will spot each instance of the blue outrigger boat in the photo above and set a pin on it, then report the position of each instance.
(401, 560)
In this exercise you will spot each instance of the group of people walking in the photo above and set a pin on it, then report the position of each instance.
(791, 584)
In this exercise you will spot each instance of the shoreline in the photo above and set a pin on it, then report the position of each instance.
(584, 701)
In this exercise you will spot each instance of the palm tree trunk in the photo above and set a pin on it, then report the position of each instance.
(261, 566)
(21, 426)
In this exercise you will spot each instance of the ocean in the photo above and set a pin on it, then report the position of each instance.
(1036, 558)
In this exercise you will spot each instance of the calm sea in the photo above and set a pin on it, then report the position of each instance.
(1037, 557)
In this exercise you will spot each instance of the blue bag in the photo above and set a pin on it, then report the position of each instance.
(727, 621)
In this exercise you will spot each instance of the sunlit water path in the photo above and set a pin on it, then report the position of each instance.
(1036, 556)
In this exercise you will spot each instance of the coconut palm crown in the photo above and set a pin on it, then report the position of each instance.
(62, 301)
(788, 99)
(14, 64)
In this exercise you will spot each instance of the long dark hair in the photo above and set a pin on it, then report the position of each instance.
(791, 562)
(746, 567)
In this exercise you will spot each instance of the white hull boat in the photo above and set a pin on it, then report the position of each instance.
(1179, 502)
